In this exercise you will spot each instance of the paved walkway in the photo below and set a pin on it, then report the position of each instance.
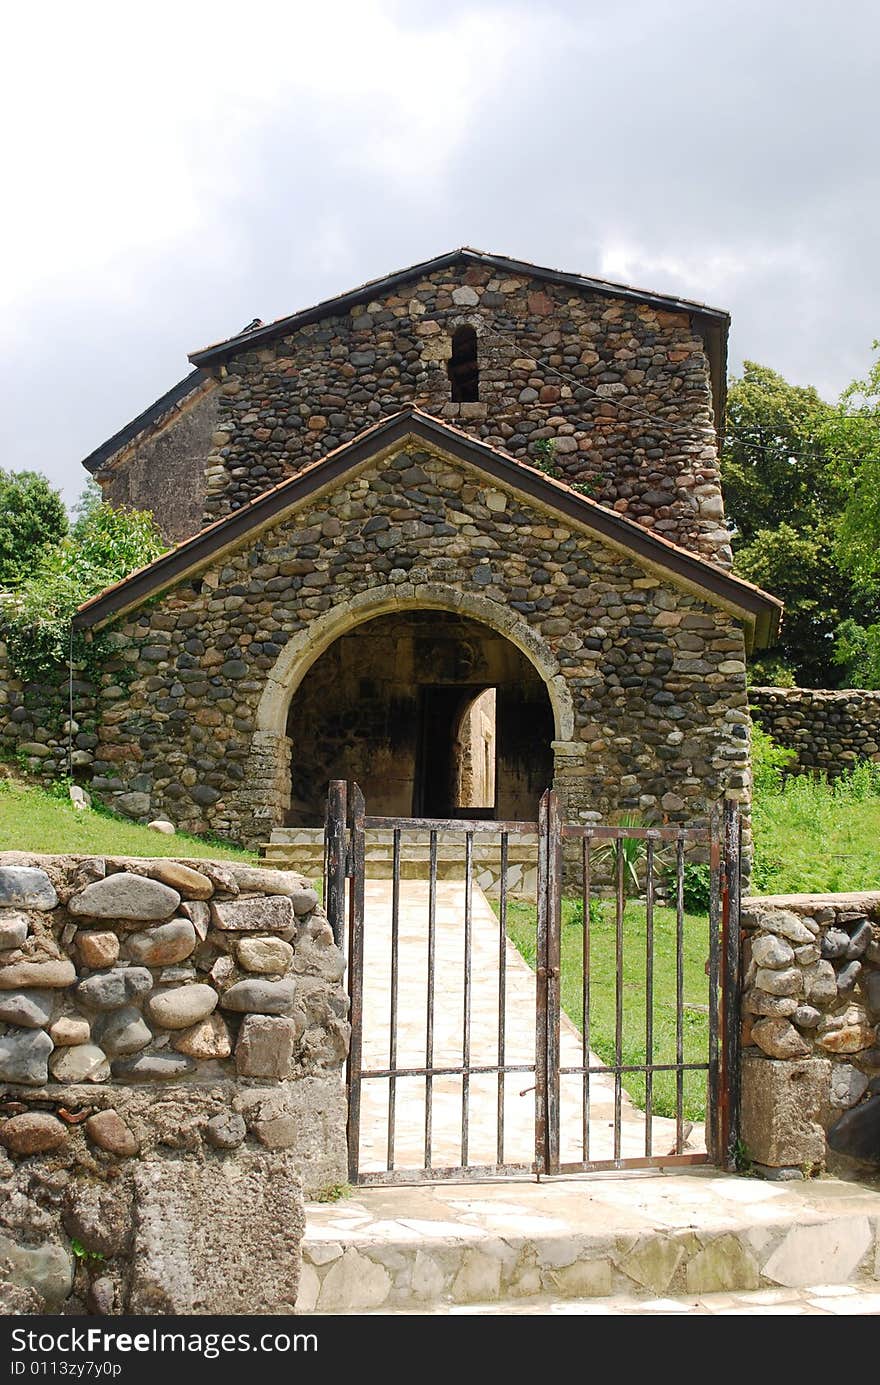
(519, 1096)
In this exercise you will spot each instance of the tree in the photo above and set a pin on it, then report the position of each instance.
(104, 545)
(107, 542)
(774, 466)
(32, 520)
(787, 485)
(851, 434)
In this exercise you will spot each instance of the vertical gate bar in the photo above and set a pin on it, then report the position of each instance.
(679, 995)
(466, 1019)
(554, 967)
(585, 999)
(620, 905)
(334, 858)
(541, 991)
(713, 1111)
(502, 996)
(392, 1018)
(429, 1020)
(649, 998)
(732, 977)
(328, 834)
(355, 980)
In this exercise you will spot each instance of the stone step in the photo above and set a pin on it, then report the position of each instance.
(314, 836)
(308, 858)
(673, 1236)
(812, 1300)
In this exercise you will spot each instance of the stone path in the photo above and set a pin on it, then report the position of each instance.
(656, 1242)
(519, 1097)
(817, 1300)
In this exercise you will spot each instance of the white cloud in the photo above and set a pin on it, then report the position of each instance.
(174, 170)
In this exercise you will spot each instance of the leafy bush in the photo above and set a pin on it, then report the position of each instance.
(769, 761)
(696, 885)
(769, 671)
(32, 520)
(104, 545)
(857, 649)
(573, 913)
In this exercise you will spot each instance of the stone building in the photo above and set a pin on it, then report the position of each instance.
(472, 485)
(628, 386)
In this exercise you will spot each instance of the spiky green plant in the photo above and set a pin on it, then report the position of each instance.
(626, 854)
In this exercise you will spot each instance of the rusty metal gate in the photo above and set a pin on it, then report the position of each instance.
(416, 1122)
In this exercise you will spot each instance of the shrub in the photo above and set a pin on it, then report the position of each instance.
(769, 762)
(696, 885)
(104, 545)
(574, 913)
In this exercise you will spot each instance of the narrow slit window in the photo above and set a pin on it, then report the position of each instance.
(464, 371)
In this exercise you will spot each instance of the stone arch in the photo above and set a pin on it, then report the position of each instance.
(304, 648)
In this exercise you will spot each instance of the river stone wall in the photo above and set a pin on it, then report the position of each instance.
(655, 675)
(171, 1041)
(36, 728)
(621, 389)
(811, 1054)
(830, 730)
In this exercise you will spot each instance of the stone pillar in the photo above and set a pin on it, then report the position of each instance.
(811, 1006)
(264, 797)
(575, 780)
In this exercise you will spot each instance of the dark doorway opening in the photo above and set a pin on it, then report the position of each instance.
(455, 761)
(406, 704)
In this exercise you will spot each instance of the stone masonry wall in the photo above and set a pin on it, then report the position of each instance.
(656, 675)
(830, 730)
(163, 469)
(171, 1041)
(622, 390)
(811, 1057)
(35, 725)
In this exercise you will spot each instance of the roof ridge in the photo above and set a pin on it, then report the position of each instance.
(340, 302)
(151, 414)
(511, 470)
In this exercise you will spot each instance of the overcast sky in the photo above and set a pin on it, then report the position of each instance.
(173, 170)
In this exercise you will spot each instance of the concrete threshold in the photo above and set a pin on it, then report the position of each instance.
(530, 1246)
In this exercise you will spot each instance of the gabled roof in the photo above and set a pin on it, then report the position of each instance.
(465, 255)
(713, 324)
(153, 414)
(760, 612)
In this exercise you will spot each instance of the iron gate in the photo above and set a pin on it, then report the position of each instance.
(575, 1091)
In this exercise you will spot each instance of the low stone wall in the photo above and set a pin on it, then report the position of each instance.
(811, 1054)
(829, 730)
(171, 1040)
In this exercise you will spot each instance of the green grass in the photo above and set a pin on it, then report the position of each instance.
(33, 820)
(695, 1026)
(810, 836)
(815, 837)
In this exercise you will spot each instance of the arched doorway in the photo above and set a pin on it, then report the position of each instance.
(431, 711)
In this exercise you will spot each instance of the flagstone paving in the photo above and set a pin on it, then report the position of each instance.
(818, 1300)
(671, 1236)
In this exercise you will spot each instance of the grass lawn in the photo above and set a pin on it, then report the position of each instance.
(33, 820)
(813, 837)
(521, 928)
